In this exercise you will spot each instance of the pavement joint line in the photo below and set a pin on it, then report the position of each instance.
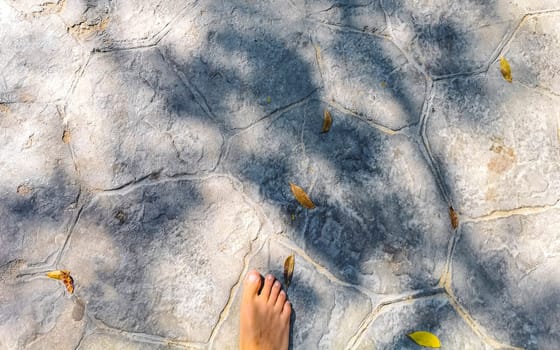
(235, 289)
(473, 325)
(364, 119)
(522, 211)
(429, 157)
(406, 297)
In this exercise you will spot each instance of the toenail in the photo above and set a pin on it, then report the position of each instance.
(253, 277)
(269, 277)
(276, 284)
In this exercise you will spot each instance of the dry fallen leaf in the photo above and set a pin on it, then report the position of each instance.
(66, 137)
(64, 276)
(301, 196)
(505, 69)
(454, 218)
(289, 269)
(58, 274)
(327, 121)
(426, 339)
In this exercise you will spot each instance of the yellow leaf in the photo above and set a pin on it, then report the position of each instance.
(58, 274)
(505, 69)
(454, 218)
(327, 121)
(426, 339)
(64, 276)
(289, 269)
(301, 196)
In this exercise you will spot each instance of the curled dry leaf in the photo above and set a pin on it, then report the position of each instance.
(301, 196)
(426, 339)
(64, 276)
(454, 218)
(289, 269)
(505, 69)
(327, 121)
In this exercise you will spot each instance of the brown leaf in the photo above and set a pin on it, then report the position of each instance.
(505, 69)
(301, 196)
(64, 276)
(66, 137)
(327, 121)
(454, 218)
(69, 283)
(289, 269)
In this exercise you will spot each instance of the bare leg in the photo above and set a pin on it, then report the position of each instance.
(265, 317)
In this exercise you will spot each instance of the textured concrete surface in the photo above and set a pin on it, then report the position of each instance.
(148, 147)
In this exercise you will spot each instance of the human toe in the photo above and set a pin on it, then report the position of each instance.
(252, 283)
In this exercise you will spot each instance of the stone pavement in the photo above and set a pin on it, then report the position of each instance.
(148, 147)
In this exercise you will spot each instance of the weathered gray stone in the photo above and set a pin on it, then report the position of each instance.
(390, 328)
(38, 58)
(450, 36)
(131, 116)
(370, 76)
(325, 314)
(161, 259)
(39, 183)
(244, 69)
(505, 273)
(380, 220)
(36, 315)
(528, 53)
(496, 144)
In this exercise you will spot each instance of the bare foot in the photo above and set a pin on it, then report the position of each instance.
(265, 317)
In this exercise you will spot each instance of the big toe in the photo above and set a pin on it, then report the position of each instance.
(251, 284)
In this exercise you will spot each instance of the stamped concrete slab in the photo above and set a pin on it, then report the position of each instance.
(380, 221)
(505, 273)
(106, 24)
(369, 76)
(131, 116)
(496, 143)
(36, 8)
(38, 58)
(103, 341)
(244, 69)
(528, 53)
(361, 15)
(325, 313)
(39, 187)
(436, 315)
(449, 37)
(36, 314)
(165, 255)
